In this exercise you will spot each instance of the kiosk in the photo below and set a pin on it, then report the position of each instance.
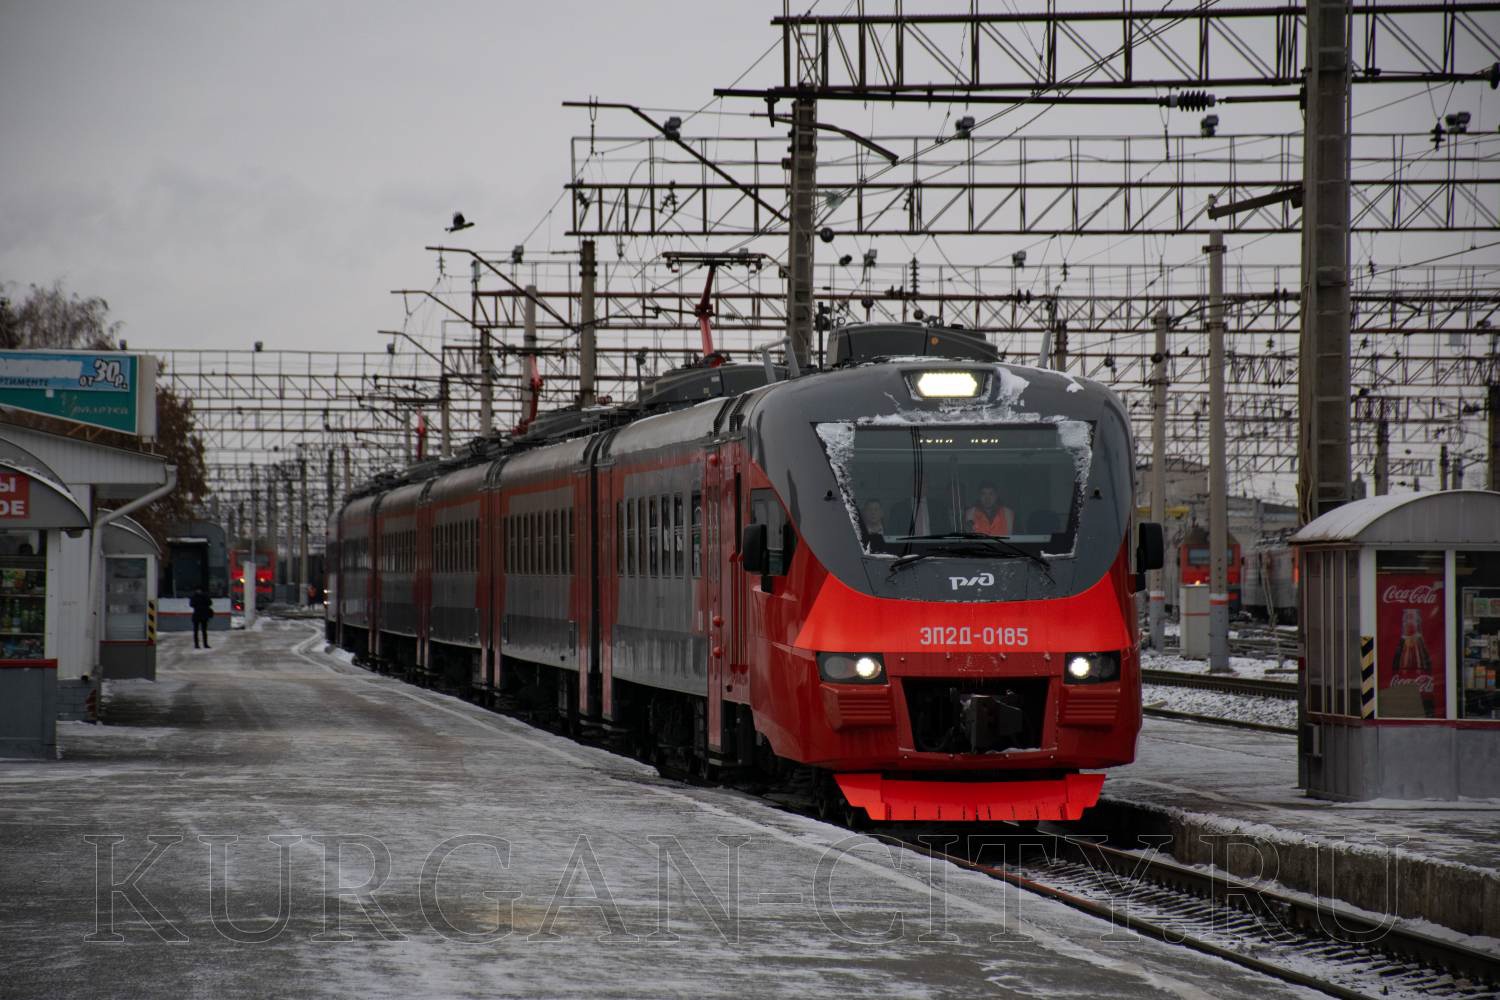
(128, 647)
(1400, 598)
(36, 508)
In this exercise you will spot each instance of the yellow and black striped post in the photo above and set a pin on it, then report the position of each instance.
(151, 620)
(1367, 677)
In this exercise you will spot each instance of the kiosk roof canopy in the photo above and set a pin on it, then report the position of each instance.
(1449, 518)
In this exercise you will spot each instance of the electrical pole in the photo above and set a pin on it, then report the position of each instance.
(333, 504)
(802, 192)
(1060, 345)
(272, 528)
(1218, 526)
(1493, 405)
(447, 428)
(486, 366)
(1156, 579)
(291, 533)
(302, 577)
(1382, 453)
(586, 271)
(247, 567)
(1323, 370)
(528, 353)
(348, 472)
(1443, 467)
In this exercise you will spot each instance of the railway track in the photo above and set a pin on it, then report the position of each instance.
(1218, 720)
(1256, 686)
(1295, 939)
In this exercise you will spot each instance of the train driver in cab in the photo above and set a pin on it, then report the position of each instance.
(988, 517)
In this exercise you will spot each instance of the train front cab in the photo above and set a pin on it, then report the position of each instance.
(939, 676)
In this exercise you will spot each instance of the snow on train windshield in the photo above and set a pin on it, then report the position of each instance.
(949, 489)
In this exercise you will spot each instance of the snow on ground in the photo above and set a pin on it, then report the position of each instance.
(1242, 666)
(1221, 705)
(561, 887)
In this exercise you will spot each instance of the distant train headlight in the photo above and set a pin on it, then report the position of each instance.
(1092, 668)
(947, 385)
(851, 668)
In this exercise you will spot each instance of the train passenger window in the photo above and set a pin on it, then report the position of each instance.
(651, 538)
(666, 535)
(541, 543)
(766, 509)
(697, 534)
(640, 536)
(619, 538)
(553, 562)
(629, 540)
(557, 541)
(678, 529)
(568, 559)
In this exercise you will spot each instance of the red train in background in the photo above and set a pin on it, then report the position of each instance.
(903, 585)
(265, 572)
(1193, 559)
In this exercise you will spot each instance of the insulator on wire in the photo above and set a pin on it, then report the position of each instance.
(1191, 100)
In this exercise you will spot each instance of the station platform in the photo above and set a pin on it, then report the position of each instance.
(426, 847)
(1229, 797)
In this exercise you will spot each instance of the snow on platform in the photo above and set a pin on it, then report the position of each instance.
(481, 858)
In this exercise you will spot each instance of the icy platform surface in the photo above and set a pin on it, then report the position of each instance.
(1249, 779)
(509, 862)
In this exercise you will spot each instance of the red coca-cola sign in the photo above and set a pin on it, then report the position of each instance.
(1410, 645)
(1419, 594)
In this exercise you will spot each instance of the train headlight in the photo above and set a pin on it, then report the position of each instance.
(947, 385)
(851, 668)
(1092, 668)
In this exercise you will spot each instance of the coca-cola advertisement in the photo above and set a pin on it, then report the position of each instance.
(1409, 645)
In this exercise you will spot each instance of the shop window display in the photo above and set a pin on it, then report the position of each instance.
(23, 596)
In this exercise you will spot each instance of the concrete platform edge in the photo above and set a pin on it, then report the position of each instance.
(1462, 898)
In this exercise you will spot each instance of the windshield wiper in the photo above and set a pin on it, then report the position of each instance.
(901, 562)
(974, 536)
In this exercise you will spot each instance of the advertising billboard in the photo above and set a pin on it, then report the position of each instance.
(1410, 645)
(110, 389)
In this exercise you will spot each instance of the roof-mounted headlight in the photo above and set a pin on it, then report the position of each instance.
(946, 385)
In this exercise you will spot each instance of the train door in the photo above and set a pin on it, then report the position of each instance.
(719, 627)
(724, 590)
(605, 581)
(583, 570)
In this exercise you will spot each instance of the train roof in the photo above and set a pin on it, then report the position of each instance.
(688, 403)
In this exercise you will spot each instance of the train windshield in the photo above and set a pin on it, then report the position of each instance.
(969, 490)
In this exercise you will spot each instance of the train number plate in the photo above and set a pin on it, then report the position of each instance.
(994, 637)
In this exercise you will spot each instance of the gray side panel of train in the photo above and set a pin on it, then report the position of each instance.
(659, 637)
(455, 592)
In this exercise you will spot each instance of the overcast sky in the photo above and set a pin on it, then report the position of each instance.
(224, 173)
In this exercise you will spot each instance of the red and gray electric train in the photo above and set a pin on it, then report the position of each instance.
(903, 584)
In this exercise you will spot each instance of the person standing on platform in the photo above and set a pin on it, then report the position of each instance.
(203, 613)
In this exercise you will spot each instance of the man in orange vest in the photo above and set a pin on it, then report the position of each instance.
(989, 518)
